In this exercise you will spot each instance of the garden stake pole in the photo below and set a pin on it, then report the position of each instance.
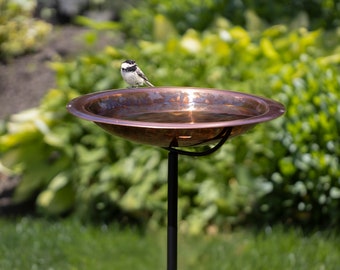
(173, 193)
(172, 210)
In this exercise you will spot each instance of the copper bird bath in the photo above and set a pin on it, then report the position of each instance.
(172, 117)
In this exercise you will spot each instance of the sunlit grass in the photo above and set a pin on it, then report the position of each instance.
(39, 244)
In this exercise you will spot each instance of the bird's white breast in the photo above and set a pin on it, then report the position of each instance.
(132, 78)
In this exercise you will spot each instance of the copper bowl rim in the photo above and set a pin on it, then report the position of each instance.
(78, 107)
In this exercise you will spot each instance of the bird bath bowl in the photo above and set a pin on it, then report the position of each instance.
(172, 117)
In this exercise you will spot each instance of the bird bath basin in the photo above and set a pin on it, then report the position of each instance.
(172, 117)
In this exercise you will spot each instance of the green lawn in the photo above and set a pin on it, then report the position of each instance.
(39, 244)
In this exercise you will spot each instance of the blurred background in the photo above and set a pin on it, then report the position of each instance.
(283, 173)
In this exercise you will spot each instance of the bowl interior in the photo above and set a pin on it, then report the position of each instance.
(172, 107)
(187, 115)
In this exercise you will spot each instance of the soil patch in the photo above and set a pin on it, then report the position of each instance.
(24, 80)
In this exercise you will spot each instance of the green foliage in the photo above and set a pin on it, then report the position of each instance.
(102, 176)
(319, 13)
(19, 31)
(199, 15)
(305, 185)
(99, 26)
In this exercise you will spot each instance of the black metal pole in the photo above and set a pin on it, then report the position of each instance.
(173, 194)
(172, 210)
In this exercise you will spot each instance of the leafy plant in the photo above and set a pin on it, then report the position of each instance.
(19, 31)
(103, 177)
(305, 185)
(190, 14)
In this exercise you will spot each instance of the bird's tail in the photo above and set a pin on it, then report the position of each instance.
(149, 83)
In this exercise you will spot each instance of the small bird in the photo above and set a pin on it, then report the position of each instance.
(133, 75)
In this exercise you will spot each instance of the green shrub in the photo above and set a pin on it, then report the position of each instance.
(102, 176)
(305, 186)
(191, 14)
(19, 31)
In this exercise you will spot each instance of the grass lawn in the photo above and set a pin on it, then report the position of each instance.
(40, 244)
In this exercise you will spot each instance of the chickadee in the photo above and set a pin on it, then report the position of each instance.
(133, 75)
